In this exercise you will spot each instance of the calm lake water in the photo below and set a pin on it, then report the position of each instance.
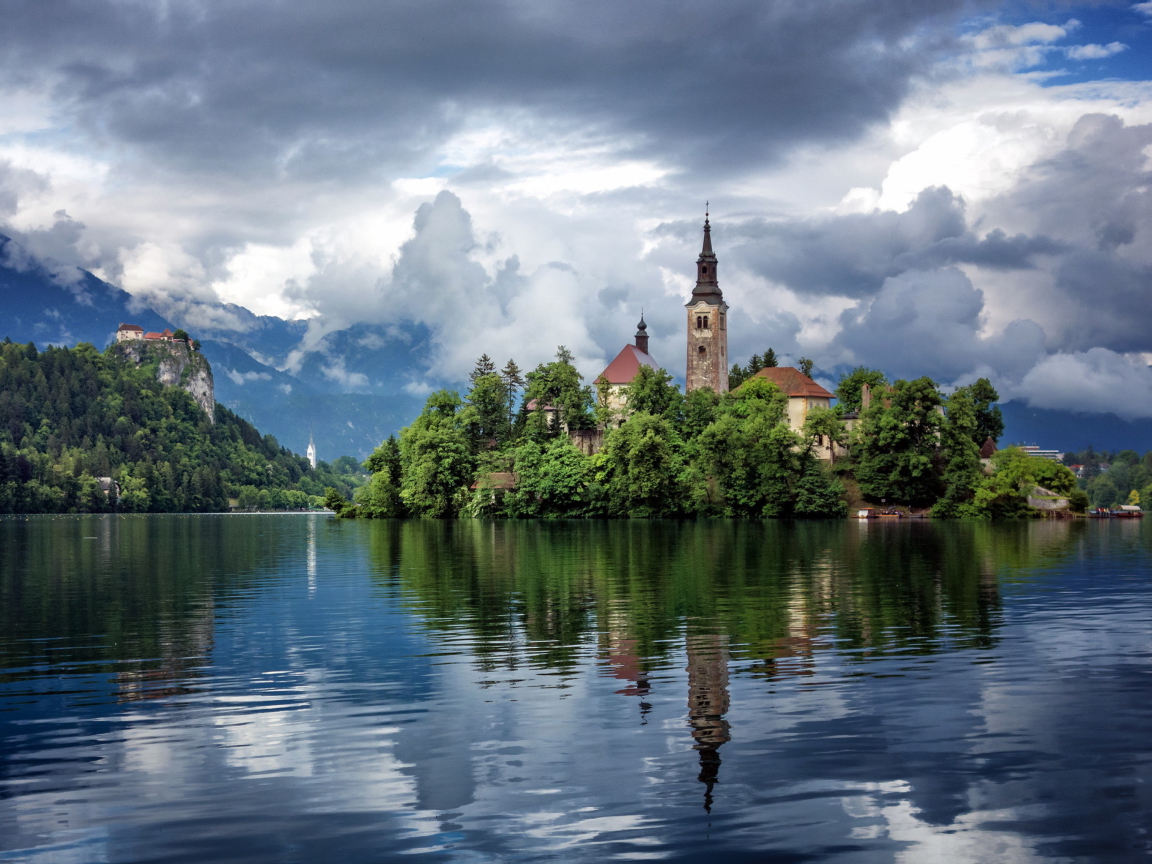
(299, 689)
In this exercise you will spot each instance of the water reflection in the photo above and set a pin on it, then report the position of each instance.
(289, 688)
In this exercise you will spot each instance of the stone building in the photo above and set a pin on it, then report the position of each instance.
(619, 373)
(707, 364)
(803, 394)
(129, 333)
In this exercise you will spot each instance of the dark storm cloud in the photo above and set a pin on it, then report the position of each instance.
(852, 255)
(316, 90)
(1094, 197)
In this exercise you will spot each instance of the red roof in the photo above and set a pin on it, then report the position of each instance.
(153, 336)
(627, 363)
(130, 327)
(793, 382)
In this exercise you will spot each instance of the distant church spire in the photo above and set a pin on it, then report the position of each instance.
(642, 334)
(311, 450)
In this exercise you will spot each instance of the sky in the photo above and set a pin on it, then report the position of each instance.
(944, 188)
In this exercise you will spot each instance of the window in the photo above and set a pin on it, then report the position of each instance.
(705, 317)
(701, 350)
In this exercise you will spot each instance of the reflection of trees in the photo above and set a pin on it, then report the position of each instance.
(772, 595)
(142, 590)
(540, 593)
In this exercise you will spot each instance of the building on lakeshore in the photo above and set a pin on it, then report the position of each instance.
(1034, 450)
(707, 364)
(129, 333)
(619, 373)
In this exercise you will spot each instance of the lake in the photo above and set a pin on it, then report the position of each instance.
(300, 688)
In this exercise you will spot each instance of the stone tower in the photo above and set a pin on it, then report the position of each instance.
(707, 325)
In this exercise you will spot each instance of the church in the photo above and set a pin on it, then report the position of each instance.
(707, 351)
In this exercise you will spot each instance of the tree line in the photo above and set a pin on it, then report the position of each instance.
(70, 416)
(503, 450)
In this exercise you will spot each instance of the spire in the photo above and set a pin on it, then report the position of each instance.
(642, 334)
(707, 250)
(706, 285)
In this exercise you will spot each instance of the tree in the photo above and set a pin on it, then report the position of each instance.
(560, 385)
(805, 366)
(962, 466)
(513, 382)
(653, 392)
(989, 419)
(436, 459)
(768, 361)
(699, 412)
(180, 333)
(849, 391)
(552, 480)
(484, 366)
(487, 412)
(750, 453)
(823, 428)
(640, 468)
(818, 493)
(896, 449)
(1004, 494)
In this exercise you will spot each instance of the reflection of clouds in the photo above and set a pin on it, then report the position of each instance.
(964, 841)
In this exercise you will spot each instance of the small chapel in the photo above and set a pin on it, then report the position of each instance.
(707, 351)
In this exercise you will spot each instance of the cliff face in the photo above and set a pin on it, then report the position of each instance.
(177, 366)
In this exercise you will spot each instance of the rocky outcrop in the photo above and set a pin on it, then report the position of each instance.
(177, 366)
(1045, 499)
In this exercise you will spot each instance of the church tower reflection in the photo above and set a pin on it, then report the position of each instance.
(707, 704)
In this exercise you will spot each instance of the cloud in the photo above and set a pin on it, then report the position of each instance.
(929, 323)
(1095, 52)
(1096, 380)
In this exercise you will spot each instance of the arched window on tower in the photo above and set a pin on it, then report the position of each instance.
(701, 350)
(705, 317)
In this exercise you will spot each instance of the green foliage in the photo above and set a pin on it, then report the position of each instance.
(487, 412)
(560, 385)
(989, 419)
(436, 458)
(819, 495)
(849, 391)
(896, 445)
(553, 480)
(640, 468)
(700, 407)
(824, 429)
(70, 416)
(653, 392)
(1004, 494)
(751, 454)
(963, 471)
(805, 365)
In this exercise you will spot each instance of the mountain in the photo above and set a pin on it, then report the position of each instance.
(1070, 431)
(348, 393)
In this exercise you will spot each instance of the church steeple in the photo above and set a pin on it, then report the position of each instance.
(642, 335)
(707, 324)
(706, 285)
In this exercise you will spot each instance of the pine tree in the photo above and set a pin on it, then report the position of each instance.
(513, 380)
(484, 366)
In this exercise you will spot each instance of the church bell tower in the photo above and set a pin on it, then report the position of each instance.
(707, 324)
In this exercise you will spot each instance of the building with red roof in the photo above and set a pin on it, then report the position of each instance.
(623, 369)
(803, 393)
(129, 333)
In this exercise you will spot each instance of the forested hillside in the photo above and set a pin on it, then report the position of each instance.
(69, 416)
